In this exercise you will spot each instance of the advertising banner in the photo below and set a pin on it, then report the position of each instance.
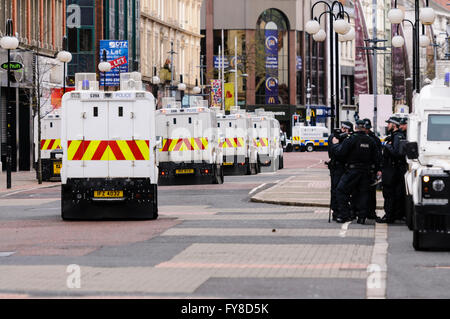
(117, 55)
(271, 48)
(216, 93)
(361, 65)
(229, 96)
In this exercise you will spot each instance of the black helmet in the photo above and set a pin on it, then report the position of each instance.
(403, 121)
(394, 120)
(368, 124)
(361, 124)
(347, 124)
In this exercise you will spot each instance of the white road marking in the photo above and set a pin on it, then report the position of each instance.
(377, 270)
(313, 165)
(256, 188)
(344, 229)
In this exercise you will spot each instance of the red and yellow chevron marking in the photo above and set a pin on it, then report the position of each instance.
(134, 150)
(51, 144)
(296, 138)
(184, 144)
(233, 142)
(263, 142)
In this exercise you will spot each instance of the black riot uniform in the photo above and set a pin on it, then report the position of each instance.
(336, 165)
(360, 154)
(393, 171)
(373, 173)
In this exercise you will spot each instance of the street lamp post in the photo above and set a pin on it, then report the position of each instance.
(308, 102)
(426, 16)
(340, 26)
(65, 57)
(104, 67)
(9, 42)
(181, 87)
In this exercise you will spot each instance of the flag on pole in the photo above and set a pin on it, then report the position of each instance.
(229, 96)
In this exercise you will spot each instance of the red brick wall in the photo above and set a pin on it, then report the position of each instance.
(98, 29)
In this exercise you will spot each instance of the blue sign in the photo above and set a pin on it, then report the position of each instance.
(217, 62)
(299, 63)
(114, 50)
(271, 50)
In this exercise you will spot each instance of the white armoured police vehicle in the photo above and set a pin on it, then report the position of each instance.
(240, 155)
(309, 138)
(109, 162)
(190, 152)
(428, 177)
(50, 145)
(265, 131)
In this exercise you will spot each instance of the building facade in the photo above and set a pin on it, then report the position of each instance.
(271, 44)
(39, 26)
(90, 21)
(162, 23)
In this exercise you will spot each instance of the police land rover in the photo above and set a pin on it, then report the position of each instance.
(428, 177)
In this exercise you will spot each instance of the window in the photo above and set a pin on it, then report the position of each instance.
(439, 128)
(72, 40)
(86, 40)
(95, 111)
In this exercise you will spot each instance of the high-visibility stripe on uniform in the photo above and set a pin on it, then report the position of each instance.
(50, 144)
(133, 150)
(184, 144)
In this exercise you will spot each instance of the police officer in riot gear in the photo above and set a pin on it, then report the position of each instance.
(360, 155)
(404, 126)
(373, 188)
(336, 165)
(393, 164)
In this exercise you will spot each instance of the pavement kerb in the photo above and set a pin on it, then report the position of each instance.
(25, 188)
(256, 198)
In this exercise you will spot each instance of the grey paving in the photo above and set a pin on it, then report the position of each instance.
(287, 288)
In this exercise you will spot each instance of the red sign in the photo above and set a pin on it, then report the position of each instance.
(56, 96)
(118, 62)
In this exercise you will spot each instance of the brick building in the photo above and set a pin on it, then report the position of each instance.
(39, 26)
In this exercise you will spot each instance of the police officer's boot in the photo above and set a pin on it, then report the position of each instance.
(385, 220)
(361, 220)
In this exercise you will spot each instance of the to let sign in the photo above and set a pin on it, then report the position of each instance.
(117, 55)
(12, 66)
(118, 62)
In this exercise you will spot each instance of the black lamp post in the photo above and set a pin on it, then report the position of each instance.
(338, 25)
(104, 66)
(9, 42)
(427, 16)
(65, 57)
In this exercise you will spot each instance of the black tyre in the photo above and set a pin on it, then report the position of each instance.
(409, 210)
(309, 148)
(418, 240)
(289, 148)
